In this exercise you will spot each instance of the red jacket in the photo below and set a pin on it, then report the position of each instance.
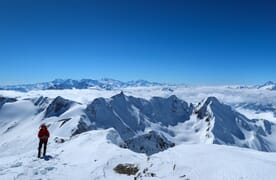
(43, 134)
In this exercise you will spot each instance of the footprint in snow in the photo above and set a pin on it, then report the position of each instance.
(35, 172)
(49, 168)
(17, 164)
(43, 171)
(19, 175)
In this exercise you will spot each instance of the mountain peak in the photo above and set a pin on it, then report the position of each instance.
(212, 100)
(202, 108)
(58, 106)
(121, 94)
(207, 101)
(269, 83)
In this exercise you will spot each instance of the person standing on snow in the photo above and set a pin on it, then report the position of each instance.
(43, 136)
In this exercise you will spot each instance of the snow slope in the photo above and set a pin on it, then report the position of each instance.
(82, 158)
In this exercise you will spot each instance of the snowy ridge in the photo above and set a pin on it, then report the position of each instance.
(229, 127)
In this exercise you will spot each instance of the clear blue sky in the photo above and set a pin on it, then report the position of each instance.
(176, 41)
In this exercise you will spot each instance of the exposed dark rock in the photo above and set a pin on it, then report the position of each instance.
(4, 100)
(127, 169)
(58, 106)
(149, 143)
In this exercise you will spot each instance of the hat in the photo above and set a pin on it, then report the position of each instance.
(43, 126)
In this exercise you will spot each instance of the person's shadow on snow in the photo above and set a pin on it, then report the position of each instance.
(47, 157)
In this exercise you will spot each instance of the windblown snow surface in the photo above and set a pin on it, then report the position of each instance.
(93, 155)
(205, 140)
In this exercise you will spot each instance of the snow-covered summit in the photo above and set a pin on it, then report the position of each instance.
(130, 115)
(227, 126)
(270, 85)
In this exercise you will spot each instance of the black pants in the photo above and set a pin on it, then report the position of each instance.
(44, 148)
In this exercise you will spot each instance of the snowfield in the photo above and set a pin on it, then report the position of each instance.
(93, 155)
(154, 132)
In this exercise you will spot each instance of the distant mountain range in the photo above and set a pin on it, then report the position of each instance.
(269, 85)
(108, 84)
(60, 84)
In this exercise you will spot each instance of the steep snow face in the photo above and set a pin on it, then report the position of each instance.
(227, 126)
(130, 116)
(58, 107)
(169, 111)
(41, 102)
(103, 115)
